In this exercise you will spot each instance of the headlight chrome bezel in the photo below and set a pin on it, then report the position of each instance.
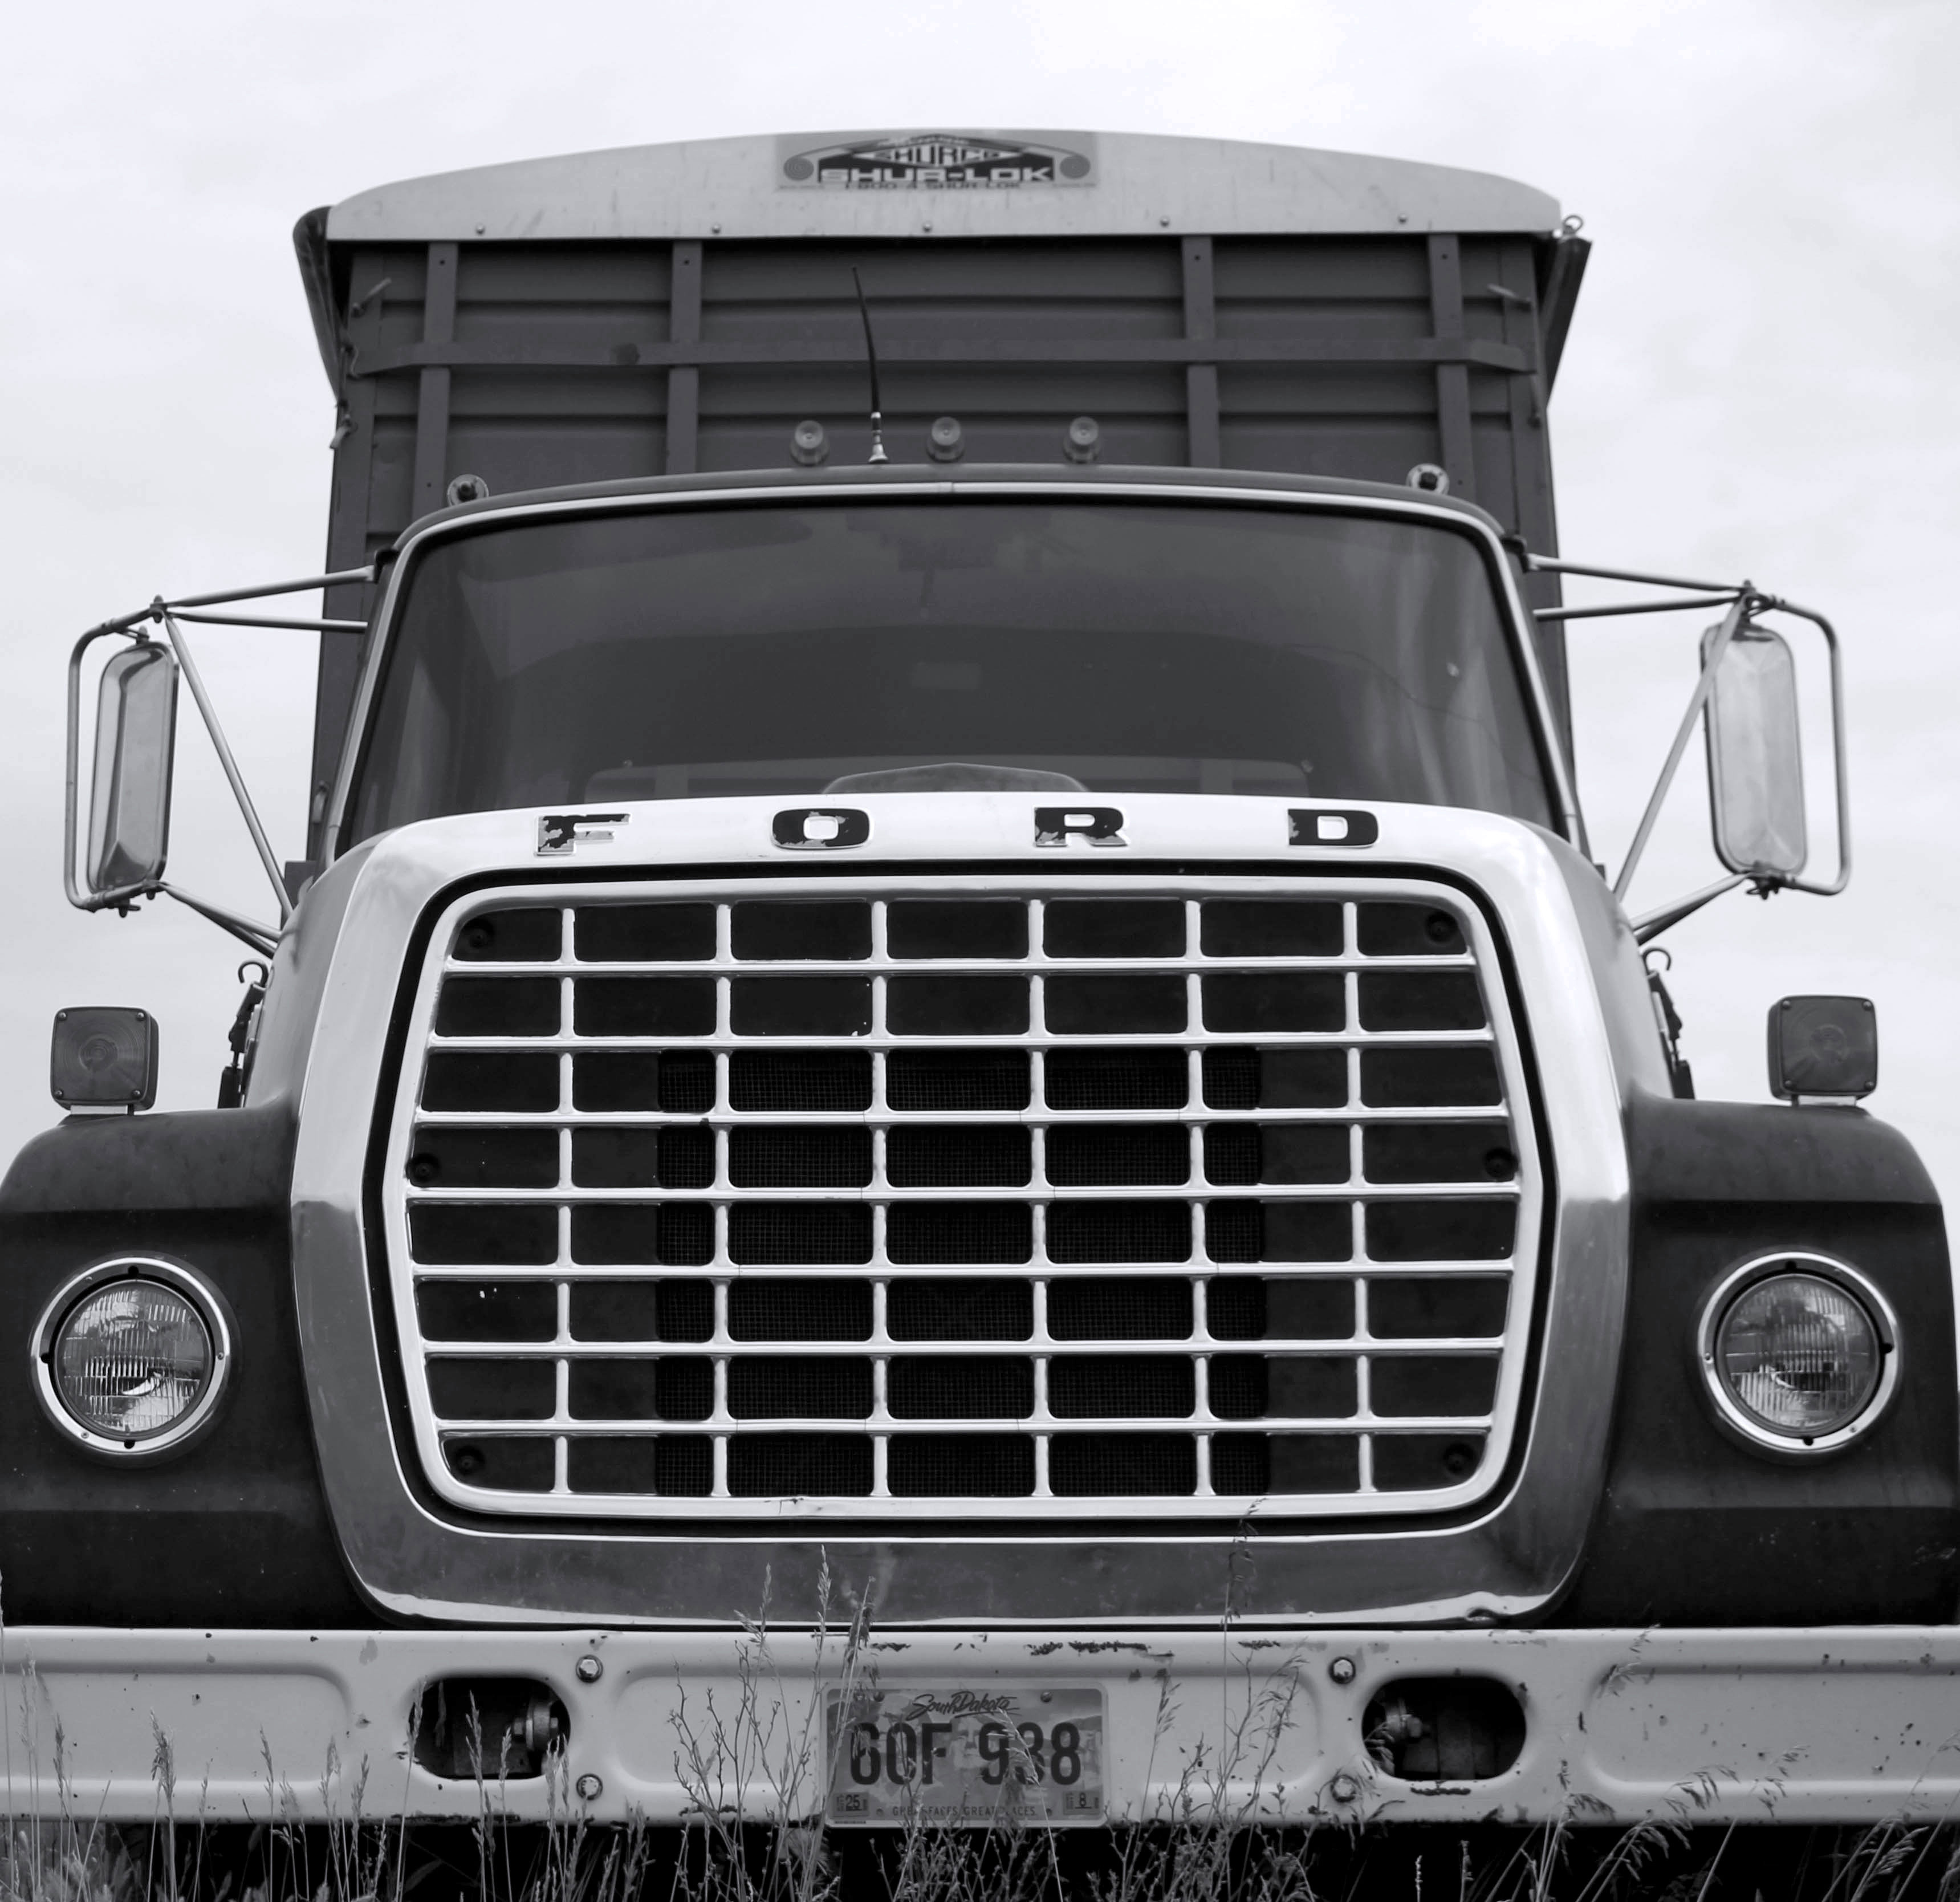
(1736, 1420)
(211, 1309)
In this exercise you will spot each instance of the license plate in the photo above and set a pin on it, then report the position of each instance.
(935, 1755)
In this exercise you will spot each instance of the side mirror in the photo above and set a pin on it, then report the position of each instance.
(130, 801)
(1755, 756)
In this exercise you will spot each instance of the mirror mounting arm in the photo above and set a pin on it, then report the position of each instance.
(134, 627)
(1741, 602)
(1829, 888)
(1746, 602)
(193, 680)
(262, 938)
(1651, 924)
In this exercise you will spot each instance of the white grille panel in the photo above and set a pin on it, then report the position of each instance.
(1058, 1199)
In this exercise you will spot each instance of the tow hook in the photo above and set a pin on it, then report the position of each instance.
(1397, 1725)
(468, 1728)
(1453, 1730)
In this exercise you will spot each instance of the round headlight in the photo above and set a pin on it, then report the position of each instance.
(1799, 1352)
(130, 1356)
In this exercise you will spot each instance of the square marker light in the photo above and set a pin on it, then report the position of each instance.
(104, 1058)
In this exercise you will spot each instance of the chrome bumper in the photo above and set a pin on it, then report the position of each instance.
(1791, 1726)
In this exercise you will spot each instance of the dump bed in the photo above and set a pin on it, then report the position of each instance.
(670, 309)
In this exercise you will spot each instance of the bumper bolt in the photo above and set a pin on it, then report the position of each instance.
(1343, 1789)
(590, 1788)
(1341, 1670)
(590, 1669)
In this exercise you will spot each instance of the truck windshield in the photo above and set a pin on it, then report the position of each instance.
(779, 649)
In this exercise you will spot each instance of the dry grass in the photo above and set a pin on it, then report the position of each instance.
(570, 1861)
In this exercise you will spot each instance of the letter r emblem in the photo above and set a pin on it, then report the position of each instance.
(1095, 825)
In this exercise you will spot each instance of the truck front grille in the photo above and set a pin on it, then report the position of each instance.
(1064, 1198)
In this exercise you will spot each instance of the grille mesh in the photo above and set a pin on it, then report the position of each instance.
(800, 1309)
(797, 1157)
(952, 1210)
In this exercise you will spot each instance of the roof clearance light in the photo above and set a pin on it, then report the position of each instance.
(1802, 1360)
(131, 1357)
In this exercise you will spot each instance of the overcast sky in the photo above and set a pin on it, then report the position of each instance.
(1764, 378)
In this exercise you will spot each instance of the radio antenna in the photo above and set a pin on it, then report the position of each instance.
(871, 357)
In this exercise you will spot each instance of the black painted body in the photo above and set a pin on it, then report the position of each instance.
(235, 1532)
(1696, 1529)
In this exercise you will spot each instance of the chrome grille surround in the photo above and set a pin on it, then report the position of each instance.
(1487, 1432)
